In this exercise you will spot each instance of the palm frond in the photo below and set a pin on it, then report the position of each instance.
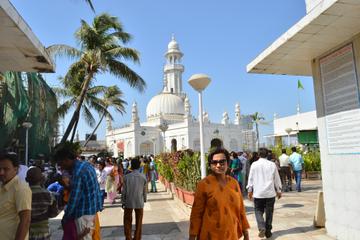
(64, 108)
(122, 71)
(61, 50)
(96, 90)
(105, 22)
(124, 53)
(89, 118)
(89, 2)
(124, 37)
(62, 92)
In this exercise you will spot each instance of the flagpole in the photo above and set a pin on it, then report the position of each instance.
(298, 103)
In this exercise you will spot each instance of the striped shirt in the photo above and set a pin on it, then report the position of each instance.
(85, 196)
(43, 207)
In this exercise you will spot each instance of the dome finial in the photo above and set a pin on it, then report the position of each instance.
(173, 37)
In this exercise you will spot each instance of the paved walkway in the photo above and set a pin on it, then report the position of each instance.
(168, 219)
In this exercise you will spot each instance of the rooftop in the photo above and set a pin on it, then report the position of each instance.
(327, 25)
(20, 50)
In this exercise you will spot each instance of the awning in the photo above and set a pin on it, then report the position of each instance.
(20, 50)
(326, 26)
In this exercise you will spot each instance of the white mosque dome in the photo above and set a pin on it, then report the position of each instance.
(165, 104)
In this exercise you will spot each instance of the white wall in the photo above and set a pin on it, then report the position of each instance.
(341, 173)
(306, 121)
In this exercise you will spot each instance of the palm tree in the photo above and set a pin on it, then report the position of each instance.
(100, 52)
(70, 93)
(112, 98)
(257, 119)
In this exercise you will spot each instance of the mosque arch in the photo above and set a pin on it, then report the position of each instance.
(146, 148)
(234, 145)
(196, 145)
(173, 145)
(216, 143)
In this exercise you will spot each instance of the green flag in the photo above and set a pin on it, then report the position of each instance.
(300, 86)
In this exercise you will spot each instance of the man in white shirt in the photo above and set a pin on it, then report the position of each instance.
(264, 185)
(285, 172)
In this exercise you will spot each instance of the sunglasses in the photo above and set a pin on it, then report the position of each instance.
(221, 162)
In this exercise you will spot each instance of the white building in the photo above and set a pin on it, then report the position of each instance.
(288, 130)
(325, 44)
(170, 124)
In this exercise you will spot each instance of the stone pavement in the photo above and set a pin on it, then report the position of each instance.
(168, 218)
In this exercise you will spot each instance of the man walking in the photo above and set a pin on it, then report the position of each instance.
(133, 197)
(285, 172)
(85, 198)
(15, 200)
(297, 163)
(263, 185)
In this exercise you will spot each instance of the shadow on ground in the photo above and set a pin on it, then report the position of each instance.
(165, 228)
(294, 230)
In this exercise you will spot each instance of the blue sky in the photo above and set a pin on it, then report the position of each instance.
(217, 38)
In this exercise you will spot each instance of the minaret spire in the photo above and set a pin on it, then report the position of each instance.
(173, 68)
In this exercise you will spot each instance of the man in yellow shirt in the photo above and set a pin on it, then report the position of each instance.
(15, 201)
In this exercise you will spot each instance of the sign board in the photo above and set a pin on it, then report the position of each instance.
(341, 101)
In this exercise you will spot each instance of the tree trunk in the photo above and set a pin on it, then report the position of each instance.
(74, 130)
(93, 132)
(78, 107)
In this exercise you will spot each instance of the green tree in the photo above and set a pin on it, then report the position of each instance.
(69, 93)
(257, 119)
(112, 98)
(100, 52)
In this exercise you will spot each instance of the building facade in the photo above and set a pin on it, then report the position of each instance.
(325, 44)
(170, 125)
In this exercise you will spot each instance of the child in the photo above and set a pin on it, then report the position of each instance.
(69, 227)
(44, 206)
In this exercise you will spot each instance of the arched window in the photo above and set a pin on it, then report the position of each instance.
(173, 145)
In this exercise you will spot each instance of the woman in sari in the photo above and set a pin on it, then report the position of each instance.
(218, 212)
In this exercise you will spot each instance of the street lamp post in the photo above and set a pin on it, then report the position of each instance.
(27, 126)
(288, 131)
(163, 127)
(199, 82)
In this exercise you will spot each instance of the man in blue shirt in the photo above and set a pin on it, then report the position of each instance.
(297, 164)
(85, 197)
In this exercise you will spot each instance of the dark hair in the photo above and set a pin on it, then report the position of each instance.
(64, 151)
(293, 149)
(233, 154)
(102, 163)
(10, 156)
(218, 151)
(283, 150)
(263, 152)
(135, 163)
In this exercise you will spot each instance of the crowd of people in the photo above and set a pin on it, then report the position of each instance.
(79, 186)
(29, 196)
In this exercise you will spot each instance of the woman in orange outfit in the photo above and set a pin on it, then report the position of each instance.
(218, 212)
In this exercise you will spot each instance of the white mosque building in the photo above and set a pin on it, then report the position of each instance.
(170, 125)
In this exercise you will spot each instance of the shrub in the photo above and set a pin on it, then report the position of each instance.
(312, 161)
